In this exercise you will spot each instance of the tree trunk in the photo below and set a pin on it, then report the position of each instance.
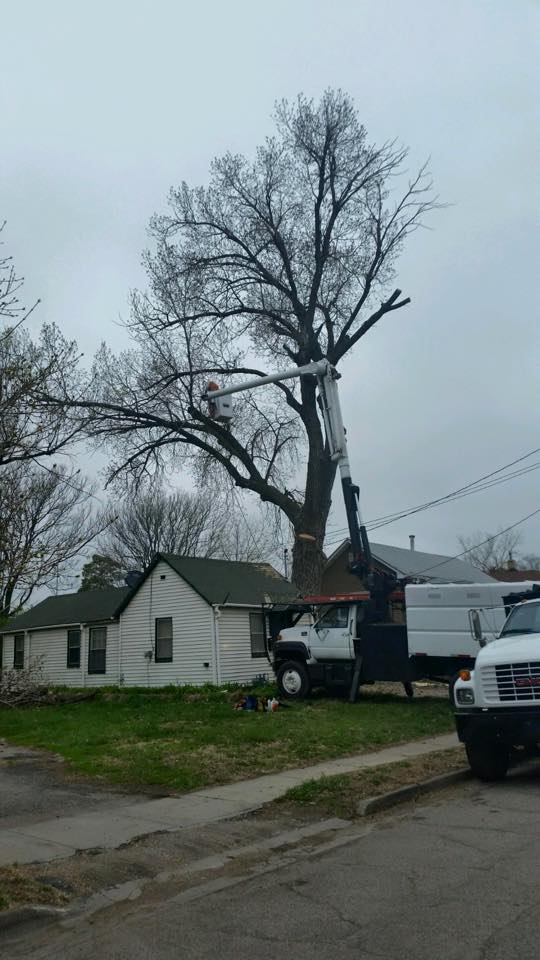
(310, 526)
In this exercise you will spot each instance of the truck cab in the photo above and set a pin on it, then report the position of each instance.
(320, 651)
(497, 704)
(327, 641)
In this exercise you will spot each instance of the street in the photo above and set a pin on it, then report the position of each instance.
(457, 876)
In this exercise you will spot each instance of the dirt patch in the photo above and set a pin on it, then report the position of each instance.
(17, 888)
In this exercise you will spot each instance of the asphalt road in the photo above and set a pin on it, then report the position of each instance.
(455, 877)
(33, 787)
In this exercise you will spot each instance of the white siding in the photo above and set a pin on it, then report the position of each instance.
(50, 646)
(111, 661)
(192, 619)
(7, 652)
(237, 664)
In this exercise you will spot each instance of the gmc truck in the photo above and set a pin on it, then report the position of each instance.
(428, 638)
(497, 703)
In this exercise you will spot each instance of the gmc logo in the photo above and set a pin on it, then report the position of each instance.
(527, 681)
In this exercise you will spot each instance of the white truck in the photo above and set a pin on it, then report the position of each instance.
(358, 640)
(497, 703)
(433, 641)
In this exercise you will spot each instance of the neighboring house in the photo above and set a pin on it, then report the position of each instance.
(188, 620)
(430, 567)
(515, 576)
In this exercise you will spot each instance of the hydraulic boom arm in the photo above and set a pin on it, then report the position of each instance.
(327, 377)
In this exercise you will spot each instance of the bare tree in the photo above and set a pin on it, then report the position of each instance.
(490, 551)
(249, 538)
(286, 259)
(189, 524)
(46, 521)
(29, 430)
(159, 522)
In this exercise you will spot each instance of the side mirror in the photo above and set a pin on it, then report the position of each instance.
(476, 627)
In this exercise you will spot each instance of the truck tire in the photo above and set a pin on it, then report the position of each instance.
(488, 759)
(293, 680)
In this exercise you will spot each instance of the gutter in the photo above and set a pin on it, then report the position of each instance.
(55, 626)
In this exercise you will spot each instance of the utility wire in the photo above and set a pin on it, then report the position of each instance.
(466, 490)
(67, 481)
(476, 545)
(459, 496)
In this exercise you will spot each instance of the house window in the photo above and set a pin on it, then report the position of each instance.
(97, 650)
(163, 651)
(18, 651)
(256, 633)
(74, 648)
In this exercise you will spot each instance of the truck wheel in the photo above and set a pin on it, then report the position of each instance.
(293, 680)
(488, 760)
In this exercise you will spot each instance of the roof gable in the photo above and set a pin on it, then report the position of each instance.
(231, 581)
(223, 581)
(415, 563)
(68, 608)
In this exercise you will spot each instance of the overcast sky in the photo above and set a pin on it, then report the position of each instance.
(105, 106)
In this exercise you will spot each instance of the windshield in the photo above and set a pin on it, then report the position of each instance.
(525, 618)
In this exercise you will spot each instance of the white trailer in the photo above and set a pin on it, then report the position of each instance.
(438, 615)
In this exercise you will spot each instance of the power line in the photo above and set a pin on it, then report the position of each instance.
(466, 490)
(476, 545)
(459, 496)
(66, 480)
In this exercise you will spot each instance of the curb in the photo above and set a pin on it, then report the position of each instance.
(23, 915)
(374, 804)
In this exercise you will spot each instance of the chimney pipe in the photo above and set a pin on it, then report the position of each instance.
(411, 540)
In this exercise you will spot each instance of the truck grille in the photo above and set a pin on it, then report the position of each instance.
(511, 682)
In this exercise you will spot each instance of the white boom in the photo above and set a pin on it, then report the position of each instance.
(327, 377)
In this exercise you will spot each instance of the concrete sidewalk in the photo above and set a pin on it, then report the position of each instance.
(115, 824)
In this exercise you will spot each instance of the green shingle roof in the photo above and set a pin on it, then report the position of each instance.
(69, 608)
(217, 581)
(231, 581)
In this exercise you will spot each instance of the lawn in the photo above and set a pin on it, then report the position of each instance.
(338, 796)
(184, 739)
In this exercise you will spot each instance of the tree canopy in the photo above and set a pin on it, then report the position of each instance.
(283, 259)
(101, 572)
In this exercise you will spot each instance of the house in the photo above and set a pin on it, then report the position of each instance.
(188, 620)
(402, 562)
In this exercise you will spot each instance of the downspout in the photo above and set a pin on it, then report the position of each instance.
(83, 656)
(215, 642)
(120, 674)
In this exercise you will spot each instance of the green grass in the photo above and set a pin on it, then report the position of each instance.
(339, 795)
(184, 739)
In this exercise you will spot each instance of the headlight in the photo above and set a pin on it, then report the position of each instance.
(464, 695)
